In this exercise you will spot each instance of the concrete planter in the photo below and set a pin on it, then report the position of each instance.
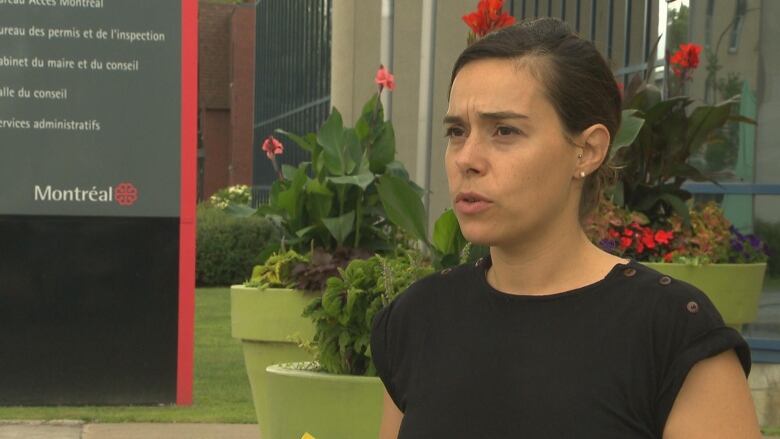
(263, 320)
(734, 288)
(322, 404)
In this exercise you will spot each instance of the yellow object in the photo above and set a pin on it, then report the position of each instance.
(307, 436)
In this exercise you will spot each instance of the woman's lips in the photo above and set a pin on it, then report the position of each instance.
(472, 207)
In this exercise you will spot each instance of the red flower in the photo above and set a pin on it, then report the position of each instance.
(613, 233)
(685, 59)
(384, 79)
(663, 237)
(272, 147)
(625, 242)
(628, 232)
(668, 257)
(640, 247)
(647, 238)
(488, 17)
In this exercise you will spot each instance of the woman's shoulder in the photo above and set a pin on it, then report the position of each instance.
(428, 289)
(676, 309)
(652, 286)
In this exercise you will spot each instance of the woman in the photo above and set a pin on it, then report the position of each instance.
(549, 336)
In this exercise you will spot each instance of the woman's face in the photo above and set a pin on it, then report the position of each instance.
(506, 145)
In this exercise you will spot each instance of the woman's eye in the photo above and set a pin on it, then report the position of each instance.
(506, 131)
(454, 132)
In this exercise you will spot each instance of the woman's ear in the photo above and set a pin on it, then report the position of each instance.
(594, 142)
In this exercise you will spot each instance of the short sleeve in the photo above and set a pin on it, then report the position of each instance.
(381, 352)
(688, 328)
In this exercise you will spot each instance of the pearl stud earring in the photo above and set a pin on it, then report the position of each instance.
(582, 174)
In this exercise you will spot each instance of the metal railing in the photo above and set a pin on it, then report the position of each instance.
(597, 21)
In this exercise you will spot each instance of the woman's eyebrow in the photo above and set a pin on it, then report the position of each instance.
(448, 119)
(498, 115)
(492, 115)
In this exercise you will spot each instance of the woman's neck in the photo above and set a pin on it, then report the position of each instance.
(549, 263)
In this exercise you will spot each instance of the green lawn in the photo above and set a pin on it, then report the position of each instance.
(221, 388)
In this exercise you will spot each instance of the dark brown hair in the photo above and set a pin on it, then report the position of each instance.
(578, 81)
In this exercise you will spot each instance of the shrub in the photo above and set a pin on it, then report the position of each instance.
(238, 194)
(229, 246)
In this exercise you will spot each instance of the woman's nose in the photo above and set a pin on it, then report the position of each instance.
(470, 159)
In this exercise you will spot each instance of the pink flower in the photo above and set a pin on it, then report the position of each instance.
(384, 79)
(272, 147)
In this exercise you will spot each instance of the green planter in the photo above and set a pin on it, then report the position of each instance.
(734, 288)
(263, 320)
(325, 405)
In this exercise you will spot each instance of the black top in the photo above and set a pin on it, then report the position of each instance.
(464, 360)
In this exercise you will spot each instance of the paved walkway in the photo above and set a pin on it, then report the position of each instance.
(79, 430)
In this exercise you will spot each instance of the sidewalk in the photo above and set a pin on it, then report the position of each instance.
(79, 430)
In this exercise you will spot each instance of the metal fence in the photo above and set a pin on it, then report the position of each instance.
(623, 30)
(292, 79)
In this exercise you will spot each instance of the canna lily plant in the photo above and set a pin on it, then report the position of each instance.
(654, 166)
(352, 193)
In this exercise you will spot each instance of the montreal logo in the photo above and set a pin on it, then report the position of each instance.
(123, 194)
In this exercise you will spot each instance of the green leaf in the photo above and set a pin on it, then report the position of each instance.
(288, 171)
(319, 201)
(678, 205)
(332, 298)
(317, 187)
(368, 109)
(304, 142)
(361, 180)
(706, 119)
(642, 96)
(363, 343)
(403, 206)
(344, 342)
(330, 137)
(362, 129)
(446, 233)
(302, 232)
(629, 129)
(291, 200)
(661, 110)
(743, 119)
(341, 226)
(397, 169)
(383, 149)
(353, 294)
(353, 150)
